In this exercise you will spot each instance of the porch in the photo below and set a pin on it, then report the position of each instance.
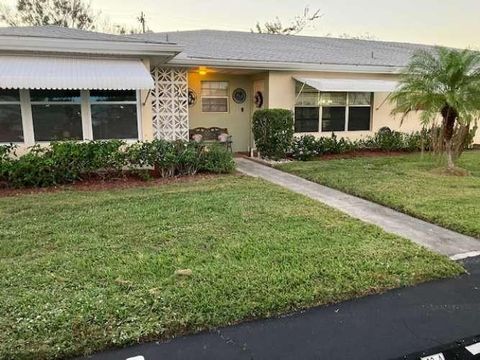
(186, 99)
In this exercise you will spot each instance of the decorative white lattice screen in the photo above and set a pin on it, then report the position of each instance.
(170, 104)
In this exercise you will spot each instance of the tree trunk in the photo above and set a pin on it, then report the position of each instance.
(449, 115)
(449, 152)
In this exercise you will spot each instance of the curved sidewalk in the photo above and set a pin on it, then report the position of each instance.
(436, 238)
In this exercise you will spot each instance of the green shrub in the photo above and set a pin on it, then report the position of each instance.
(273, 132)
(7, 154)
(217, 159)
(305, 147)
(67, 162)
(334, 145)
(32, 169)
(189, 157)
(7, 151)
(77, 159)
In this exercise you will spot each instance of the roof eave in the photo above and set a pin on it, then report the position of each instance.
(285, 66)
(75, 46)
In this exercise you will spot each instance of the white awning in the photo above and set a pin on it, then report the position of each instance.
(350, 85)
(28, 72)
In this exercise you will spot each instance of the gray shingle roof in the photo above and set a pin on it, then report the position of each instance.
(58, 32)
(245, 46)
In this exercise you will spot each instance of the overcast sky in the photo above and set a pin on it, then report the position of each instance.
(442, 22)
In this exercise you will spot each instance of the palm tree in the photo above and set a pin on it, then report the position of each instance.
(443, 82)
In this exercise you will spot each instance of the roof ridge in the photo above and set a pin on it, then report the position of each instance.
(373, 41)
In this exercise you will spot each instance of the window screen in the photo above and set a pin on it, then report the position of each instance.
(333, 118)
(306, 119)
(114, 114)
(359, 118)
(11, 129)
(56, 115)
(215, 96)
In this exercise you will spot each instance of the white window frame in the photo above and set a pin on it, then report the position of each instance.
(319, 118)
(19, 102)
(31, 103)
(347, 111)
(340, 106)
(136, 102)
(87, 127)
(227, 96)
(347, 106)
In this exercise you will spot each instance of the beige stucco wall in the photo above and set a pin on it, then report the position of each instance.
(146, 109)
(282, 95)
(237, 120)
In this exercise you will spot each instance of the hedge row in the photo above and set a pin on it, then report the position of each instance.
(307, 147)
(67, 162)
(274, 137)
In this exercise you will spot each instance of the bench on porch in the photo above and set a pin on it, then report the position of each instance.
(212, 135)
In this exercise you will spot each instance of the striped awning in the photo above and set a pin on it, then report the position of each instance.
(38, 72)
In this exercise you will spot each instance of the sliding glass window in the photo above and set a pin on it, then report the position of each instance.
(114, 114)
(359, 111)
(56, 115)
(307, 115)
(338, 111)
(333, 111)
(11, 130)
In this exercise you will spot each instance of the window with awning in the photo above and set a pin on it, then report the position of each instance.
(336, 105)
(37, 72)
(70, 98)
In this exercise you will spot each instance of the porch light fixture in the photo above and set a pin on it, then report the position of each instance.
(202, 71)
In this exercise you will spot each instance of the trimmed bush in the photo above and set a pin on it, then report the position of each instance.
(215, 159)
(67, 162)
(273, 132)
(305, 147)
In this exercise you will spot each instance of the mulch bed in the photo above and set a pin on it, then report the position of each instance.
(364, 153)
(98, 184)
(347, 155)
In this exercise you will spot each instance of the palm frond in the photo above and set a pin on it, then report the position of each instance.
(438, 78)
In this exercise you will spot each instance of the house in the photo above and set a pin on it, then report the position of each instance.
(58, 83)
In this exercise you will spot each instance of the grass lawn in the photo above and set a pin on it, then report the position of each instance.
(406, 183)
(83, 271)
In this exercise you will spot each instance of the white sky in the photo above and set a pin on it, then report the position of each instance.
(443, 22)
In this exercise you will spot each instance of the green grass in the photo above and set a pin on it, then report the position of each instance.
(83, 271)
(407, 183)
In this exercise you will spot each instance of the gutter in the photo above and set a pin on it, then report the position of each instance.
(284, 66)
(75, 46)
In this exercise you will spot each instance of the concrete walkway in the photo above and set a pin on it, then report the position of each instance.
(436, 238)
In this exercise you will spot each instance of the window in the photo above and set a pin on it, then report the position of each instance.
(359, 111)
(339, 111)
(333, 118)
(359, 118)
(307, 95)
(333, 111)
(10, 117)
(56, 115)
(306, 119)
(215, 96)
(114, 114)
